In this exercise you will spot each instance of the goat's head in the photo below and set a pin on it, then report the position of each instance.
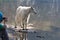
(32, 10)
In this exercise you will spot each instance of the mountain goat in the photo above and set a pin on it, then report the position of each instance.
(22, 13)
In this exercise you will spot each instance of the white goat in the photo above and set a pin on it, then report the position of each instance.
(23, 15)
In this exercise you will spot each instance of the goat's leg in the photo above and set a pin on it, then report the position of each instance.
(15, 24)
(23, 26)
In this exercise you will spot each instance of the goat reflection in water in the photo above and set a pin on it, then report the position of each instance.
(22, 18)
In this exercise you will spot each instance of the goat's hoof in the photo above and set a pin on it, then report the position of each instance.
(15, 27)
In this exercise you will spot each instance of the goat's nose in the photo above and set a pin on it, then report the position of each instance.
(15, 27)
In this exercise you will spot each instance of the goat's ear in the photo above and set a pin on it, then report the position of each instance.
(31, 7)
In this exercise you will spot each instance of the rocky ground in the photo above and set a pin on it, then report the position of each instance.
(36, 34)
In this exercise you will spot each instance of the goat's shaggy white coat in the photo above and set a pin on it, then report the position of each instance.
(22, 13)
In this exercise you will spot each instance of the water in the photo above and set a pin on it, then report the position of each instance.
(39, 35)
